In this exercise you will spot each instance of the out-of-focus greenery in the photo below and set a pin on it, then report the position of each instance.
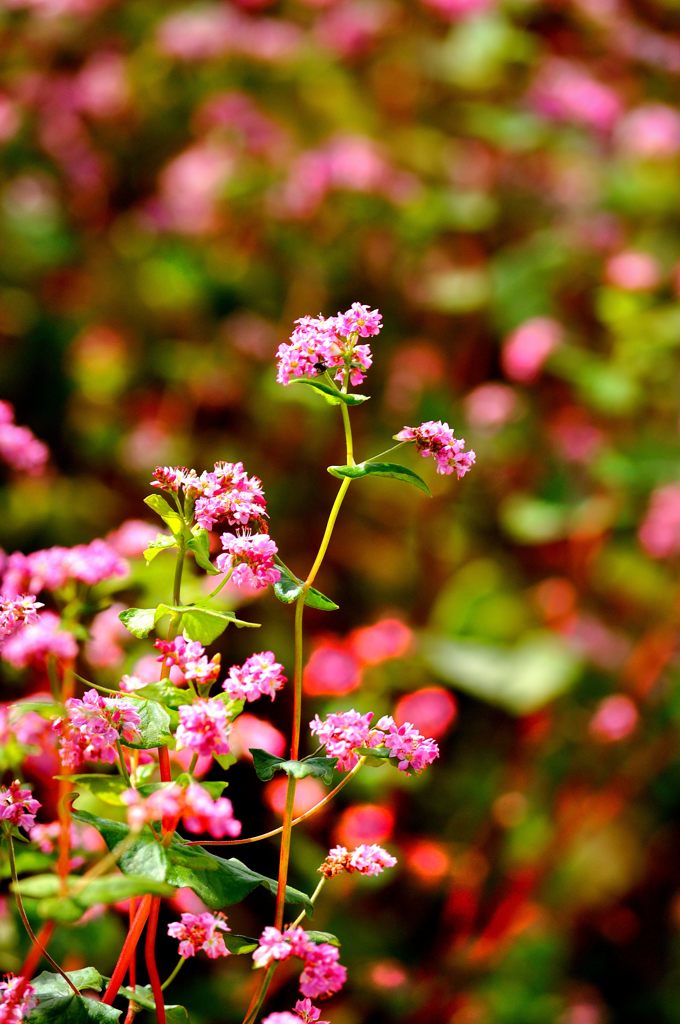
(502, 179)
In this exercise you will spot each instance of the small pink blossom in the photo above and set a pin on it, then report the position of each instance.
(200, 932)
(105, 647)
(249, 558)
(359, 320)
(17, 999)
(228, 494)
(284, 1017)
(259, 676)
(203, 727)
(651, 131)
(566, 91)
(526, 349)
(615, 719)
(436, 439)
(323, 975)
(35, 642)
(342, 733)
(411, 749)
(366, 860)
(307, 1012)
(194, 805)
(659, 532)
(52, 568)
(318, 344)
(633, 271)
(17, 806)
(190, 658)
(172, 478)
(93, 726)
(16, 612)
(19, 448)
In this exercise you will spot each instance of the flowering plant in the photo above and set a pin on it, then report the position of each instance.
(161, 736)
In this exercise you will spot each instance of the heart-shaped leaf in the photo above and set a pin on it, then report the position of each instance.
(331, 394)
(57, 1003)
(138, 621)
(161, 543)
(199, 545)
(288, 588)
(200, 623)
(154, 727)
(168, 514)
(386, 469)
(266, 764)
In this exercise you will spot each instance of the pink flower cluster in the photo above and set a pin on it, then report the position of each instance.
(200, 932)
(322, 974)
(321, 343)
(190, 658)
(17, 806)
(17, 999)
(16, 612)
(364, 859)
(204, 727)
(659, 532)
(195, 807)
(92, 728)
(224, 494)
(304, 1011)
(37, 640)
(52, 568)
(249, 558)
(19, 447)
(436, 439)
(344, 733)
(260, 675)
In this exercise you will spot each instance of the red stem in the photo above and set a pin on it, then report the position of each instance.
(128, 950)
(36, 952)
(150, 954)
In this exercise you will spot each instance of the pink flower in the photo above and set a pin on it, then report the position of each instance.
(565, 91)
(194, 805)
(228, 494)
(190, 658)
(274, 945)
(132, 537)
(16, 612)
(19, 447)
(250, 731)
(320, 344)
(17, 806)
(366, 860)
(172, 478)
(281, 1018)
(200, 932)
(412, 750)
(436, 439)
(633, 271)
(359, 320)
(309, 1013)
(526, 349)
(650, 131)
(431, 709)
(259, 676)
(615, 719)
(203, 727)
(659, 532)
(32, 644)
(105, 647)
(249, 558)
(388, 638)
(342, 733)
(453, 9)
(17, 999)
(332, 668)
(92, 728)
(52, 568)
(323, 975)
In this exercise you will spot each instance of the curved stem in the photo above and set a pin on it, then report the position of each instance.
(259, 995)
(171, 977)
(150, 955)
(24, 919)
(387, 451)
(128, 951)
(312, 899)
(36, 951)
(223, 582)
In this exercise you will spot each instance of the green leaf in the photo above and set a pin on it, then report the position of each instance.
(219, 882)
(199, 545)
(376, 757)
(57, 1003)
(45, 708)
(202, 624)
(288, 588)
(138, 621)
(318, 767)
(168, 514)
(161, 543)
(107, 788)
(143, 997)
(154, 728)
(328, 937)
(387, 469)
(240, 944)
(79, 898)
(331, 394)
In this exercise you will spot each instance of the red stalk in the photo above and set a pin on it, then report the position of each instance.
(128, 950)
(150, 954)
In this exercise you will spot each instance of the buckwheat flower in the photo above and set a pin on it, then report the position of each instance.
(169, 478)
(203, 814)
(52, 568)
(281, 1018)
(313, 346)
(190, 658)
(20, 449)
(16, 612)
(365, 859)
(165, 804)
(273, 946)
(36, 641)
(250, 558)
(17, 806)
(92, 728)
(307, 1012)
(228, 494)
(203, 727)
(413, 751)
(260, 675)
(198, 932)
(342, 733)
(359, 320)
(436, 439)
(17, 999)
(323, 975)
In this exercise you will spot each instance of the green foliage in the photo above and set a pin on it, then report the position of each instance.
(386, 469)
(57, 1003)
(81, 895)
(161, 543)
(170, 516)
(199, 623)
(288, 588)
(267, 764)
(199, 545)
(154, 727)
(331, 394)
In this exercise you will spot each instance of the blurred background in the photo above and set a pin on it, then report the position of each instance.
(502, 179)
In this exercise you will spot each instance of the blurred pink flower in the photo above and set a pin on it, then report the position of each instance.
(105, 647)
(132, 537)
(566, 91)
(432, 710)
(454, 9)
(615, 719)
(332, 668)
(250, 731)
(526, 349)
(308, 793)
(385, 639)
(651, 130)
(364, 823)
(633, 271)
(659, 531)
(491, 406)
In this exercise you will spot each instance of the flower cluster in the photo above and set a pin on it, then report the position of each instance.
(92, 728)
(225, 494)
(204, 727)
(36, 641)
(19, 447)
(322, 974)
(16, 612)
(436, 439)
(200, 932)
(17, 999)
(192, 805)
(17, 806)
(304, 1011)
(364, 859)
(344, 733)
(250, 559)
(260, 675)
(52, 568)
(190, 658)
(321, 343)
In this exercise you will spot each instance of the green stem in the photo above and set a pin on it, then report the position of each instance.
(123, 767)
(179, 569)
(312, 900)
(387, 451)
(26, 923)
(222, 583)
(259, 997)
(171, 977)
